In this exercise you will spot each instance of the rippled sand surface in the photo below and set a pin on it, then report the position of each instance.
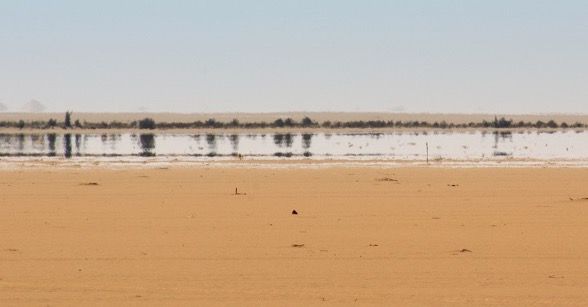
(200, 235)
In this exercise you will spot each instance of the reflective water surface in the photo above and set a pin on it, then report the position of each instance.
(441, 145)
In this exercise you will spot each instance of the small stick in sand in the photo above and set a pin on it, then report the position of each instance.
(237, 192)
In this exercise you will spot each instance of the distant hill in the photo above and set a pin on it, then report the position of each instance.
(270, 117)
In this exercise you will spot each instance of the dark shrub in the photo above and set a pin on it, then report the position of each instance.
(67, 120)
(234, 123)
(147, 143)
(307, 122)
(147, 123)
(211, 123)
(289, 122)
(552, 124)
(51, 123)
(279, 123)
(502, 123)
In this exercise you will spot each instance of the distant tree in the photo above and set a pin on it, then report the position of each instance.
(552, 124)
(21, 124)
(147, 123)
(289, 122)
(211, 122)
(77, 124)
(502, 123)
(577, 125)
(307, 122)
(279, 123)
(67, 121)
(234, 123)
(51, 123)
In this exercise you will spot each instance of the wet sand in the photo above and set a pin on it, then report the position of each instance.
(397, 236)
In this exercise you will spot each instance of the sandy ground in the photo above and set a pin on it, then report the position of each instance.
(179, 236)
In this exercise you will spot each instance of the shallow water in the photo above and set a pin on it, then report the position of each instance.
(405, 146)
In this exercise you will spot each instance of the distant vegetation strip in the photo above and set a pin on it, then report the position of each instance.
(148, 123)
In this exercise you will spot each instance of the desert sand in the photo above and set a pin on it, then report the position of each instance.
(457, 118)
(397, 236)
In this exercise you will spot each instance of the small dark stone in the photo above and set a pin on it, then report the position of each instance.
(294, 212)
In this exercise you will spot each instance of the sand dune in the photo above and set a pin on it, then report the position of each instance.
(404, 237)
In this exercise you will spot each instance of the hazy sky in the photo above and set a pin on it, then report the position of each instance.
(316, 55)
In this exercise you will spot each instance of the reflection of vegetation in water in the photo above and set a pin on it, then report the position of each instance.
(282, 140)
(306, 140)
(113, 139)
(51, 144)
(278, 139)
(211, 141)
(283, 154)
(6, 140)
(78, 144)
(147, 143)
(501, 136)
(234, 139)
(67, 145)
(21, 142)
(38, 142)
(497, 143)
(378, 135)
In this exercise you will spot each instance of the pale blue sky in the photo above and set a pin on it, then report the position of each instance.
(330, 55)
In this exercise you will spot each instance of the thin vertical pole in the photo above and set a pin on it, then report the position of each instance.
(427, 152)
